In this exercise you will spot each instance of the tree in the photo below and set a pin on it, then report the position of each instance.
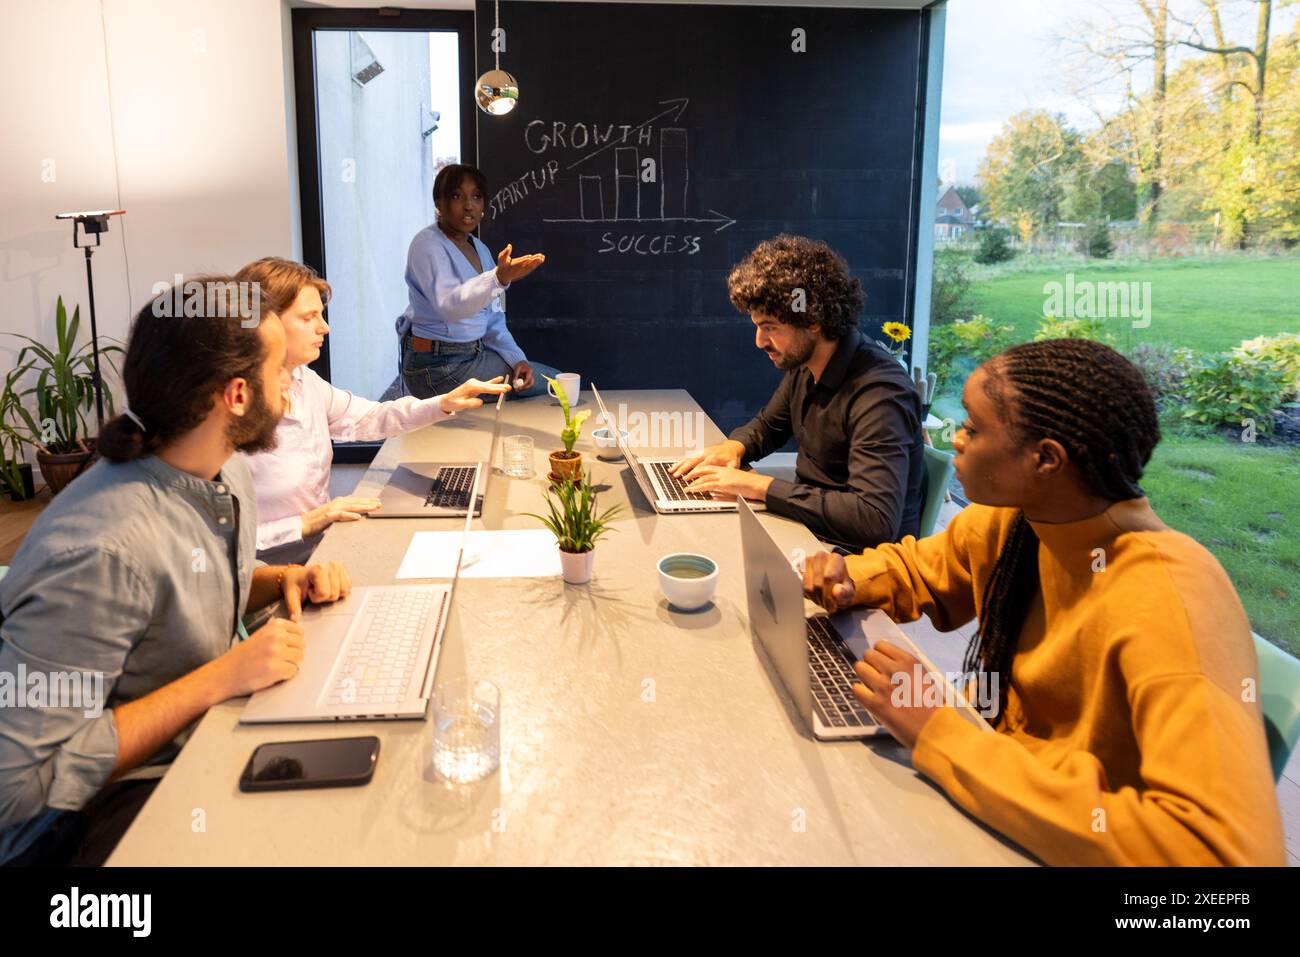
(1101, 194)
(1258, 55)
(1113, 53)
(1026, 169)
(1245, 164)
(1214, 131)
(1097, 242)
(950, 287)
(970, 195)
(993, 247)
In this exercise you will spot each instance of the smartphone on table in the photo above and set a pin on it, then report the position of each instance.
(320, 763)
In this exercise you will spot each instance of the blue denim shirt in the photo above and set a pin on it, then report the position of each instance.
(451, 300)
(136, 572)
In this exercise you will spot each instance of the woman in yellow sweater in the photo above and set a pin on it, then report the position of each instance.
(1127, 728)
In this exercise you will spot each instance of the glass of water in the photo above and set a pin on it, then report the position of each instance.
(466, 730)
(517, 456)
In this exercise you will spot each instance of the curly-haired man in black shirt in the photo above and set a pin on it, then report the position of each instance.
(848, 403)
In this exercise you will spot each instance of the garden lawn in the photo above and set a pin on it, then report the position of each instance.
(1242, 502)
(1208, 305)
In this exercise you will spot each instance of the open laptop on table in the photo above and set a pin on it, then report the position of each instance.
(371, 655)
(815, 656)
(437, 489)
(665, 492)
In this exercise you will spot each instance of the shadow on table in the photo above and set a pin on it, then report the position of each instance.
(714, 613)
(434, 805)
(883, 746)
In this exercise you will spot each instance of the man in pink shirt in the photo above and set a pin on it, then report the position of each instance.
(292, 480)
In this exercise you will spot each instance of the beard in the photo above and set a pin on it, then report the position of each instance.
(799, 353)
(256, 430)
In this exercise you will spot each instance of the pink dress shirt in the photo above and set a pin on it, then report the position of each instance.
(294, 477)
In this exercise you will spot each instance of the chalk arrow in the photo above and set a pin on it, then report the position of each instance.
(677, 110)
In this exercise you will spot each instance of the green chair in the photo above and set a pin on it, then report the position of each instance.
(1279, 699)
(938, 469)
(4, 570)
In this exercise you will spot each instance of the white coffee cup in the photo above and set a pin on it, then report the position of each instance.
(570, 382)
(688, 581)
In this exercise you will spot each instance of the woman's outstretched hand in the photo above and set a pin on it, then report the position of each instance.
(508, 269)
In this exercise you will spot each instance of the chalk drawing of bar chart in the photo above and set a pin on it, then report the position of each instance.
(615, 194)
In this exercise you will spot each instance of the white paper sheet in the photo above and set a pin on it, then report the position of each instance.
(513, 553)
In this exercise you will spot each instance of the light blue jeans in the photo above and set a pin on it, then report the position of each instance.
(433, 373)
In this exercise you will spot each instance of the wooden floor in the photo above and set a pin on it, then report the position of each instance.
(945, 650)
(15, 519)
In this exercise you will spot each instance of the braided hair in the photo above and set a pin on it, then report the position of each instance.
(1097, 405)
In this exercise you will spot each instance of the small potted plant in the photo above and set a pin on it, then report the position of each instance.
(15, 474)
(567, 464)
(64, 393)
(576, 526)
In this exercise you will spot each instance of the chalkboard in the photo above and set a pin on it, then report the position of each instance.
(746, 137)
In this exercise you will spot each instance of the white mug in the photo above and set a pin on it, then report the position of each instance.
(571, 382)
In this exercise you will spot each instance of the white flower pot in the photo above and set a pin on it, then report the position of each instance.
(575, 567)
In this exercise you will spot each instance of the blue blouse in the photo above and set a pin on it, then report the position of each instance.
(450, 300)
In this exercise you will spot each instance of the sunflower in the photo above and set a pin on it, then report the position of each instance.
(896, 331)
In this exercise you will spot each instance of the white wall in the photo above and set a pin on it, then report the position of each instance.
(174, 110)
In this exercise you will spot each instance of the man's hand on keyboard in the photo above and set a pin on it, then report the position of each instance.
(727, 454)
(826, 581)
(319, 583)
(269, 655)
(727, 483)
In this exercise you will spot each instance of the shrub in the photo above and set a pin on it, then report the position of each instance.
(1226, 389)
(1053, 328)
(950, 287)
(1283, 353)
(957, 348)
(1164, 367)
(1097, 242)
(993, 247)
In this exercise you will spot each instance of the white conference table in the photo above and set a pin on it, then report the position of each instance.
(631, 733)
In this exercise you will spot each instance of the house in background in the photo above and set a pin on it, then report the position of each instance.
(953, 219)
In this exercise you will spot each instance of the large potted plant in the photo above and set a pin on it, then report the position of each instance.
(15, 474)
(567, 464)
(576, 525)
(64, 392)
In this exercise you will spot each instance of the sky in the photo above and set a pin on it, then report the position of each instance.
(1004, 56)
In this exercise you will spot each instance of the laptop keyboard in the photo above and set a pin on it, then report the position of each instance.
(674, 487)
(380, 660)
(833, 678)
(451, 487)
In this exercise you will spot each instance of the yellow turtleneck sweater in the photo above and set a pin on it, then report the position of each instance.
(1132, 733)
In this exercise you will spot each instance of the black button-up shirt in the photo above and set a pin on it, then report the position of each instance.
(861, 459)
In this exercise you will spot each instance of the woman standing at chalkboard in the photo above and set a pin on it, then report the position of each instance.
(455, 326)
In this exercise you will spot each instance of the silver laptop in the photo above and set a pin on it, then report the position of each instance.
(665, 492)
(371, 655)
(814, 659)
(437, 489)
